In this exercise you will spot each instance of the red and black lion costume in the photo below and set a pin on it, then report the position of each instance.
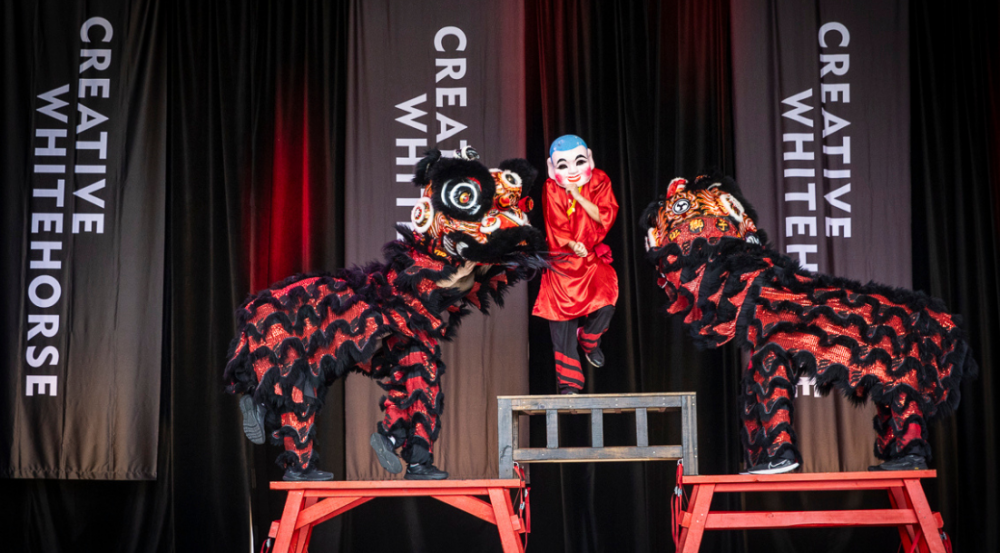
(898, 347)
(385, 320)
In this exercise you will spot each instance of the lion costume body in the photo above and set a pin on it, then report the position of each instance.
(386, 320)
(899, 348)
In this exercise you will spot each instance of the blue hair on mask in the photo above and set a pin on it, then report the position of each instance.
(565, 143)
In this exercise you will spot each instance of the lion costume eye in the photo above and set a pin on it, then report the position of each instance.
(461, 194)
(732, 206)
(422, 215)
(512, 179)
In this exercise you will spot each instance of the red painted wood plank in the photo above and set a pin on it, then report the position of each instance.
(809, 485)
(316, 513)
(699, 514)
(302, 541)
(808, 519)
(897, 498)
(344, 509)
(287, 525)
(686, 522)
(809, 477)
(396, 484)
(928, 523)
(295, 527)
(305, 534)
(471, 505)
(503, 510)
(427, 492)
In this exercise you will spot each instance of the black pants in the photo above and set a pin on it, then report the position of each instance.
(566, 335)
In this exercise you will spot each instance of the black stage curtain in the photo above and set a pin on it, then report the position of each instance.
(647, 84)
(955, 152)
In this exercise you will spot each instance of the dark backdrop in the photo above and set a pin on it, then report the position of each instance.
(256, 88)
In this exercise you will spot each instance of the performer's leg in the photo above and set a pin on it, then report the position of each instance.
(569, 373)
(902, 431)
(767, 395)
(589, 335)
(413, 404)
(297, 433)
(297, 438)
(751, 436)
(418, 449)
(392, 431)
(424, 410)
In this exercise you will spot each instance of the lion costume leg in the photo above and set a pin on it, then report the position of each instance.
(901, 429)
(412, 403)
(296, 434)
(768, 389)
(297, 438)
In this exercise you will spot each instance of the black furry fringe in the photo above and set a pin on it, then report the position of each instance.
(733, 267)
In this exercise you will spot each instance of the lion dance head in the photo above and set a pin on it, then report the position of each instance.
(711, 208)
(470, 213)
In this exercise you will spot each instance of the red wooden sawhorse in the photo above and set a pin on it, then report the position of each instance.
(910, 512)
(310, 503)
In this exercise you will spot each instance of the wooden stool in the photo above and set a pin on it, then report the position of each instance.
(910, 512)
(509, 407)
(310, 503)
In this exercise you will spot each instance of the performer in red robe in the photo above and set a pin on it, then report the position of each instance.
(579, 208)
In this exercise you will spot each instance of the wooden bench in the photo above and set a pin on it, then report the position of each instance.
(910, 511)
(311, 503)
(510, 407)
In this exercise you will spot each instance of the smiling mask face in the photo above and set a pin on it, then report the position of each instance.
(572, 167)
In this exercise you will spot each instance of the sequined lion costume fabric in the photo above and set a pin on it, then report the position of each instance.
(897, 347)
(386, 320)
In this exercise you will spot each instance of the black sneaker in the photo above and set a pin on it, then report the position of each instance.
(253, 419)
(424, 471)
(568, 391)
(778, 465)
(595, 357)
(906, 462)
(309, 474)
(385, 453)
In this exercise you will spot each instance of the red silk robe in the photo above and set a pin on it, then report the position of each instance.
(578, 285)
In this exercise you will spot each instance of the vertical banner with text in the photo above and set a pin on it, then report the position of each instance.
(821, 110)
(83, 163)
(428, 74)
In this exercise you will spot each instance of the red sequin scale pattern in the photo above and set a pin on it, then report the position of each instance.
(302, 334)
(896, 347)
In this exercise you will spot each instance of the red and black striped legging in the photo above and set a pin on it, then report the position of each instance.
(413, 400)
(566, 335)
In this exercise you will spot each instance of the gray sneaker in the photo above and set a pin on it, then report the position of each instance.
(253, 419)
(385, 453)
(775, 466)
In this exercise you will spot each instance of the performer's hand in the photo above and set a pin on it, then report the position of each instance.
(467, 268)
(456, 280)
(591, 210)
(578, 248)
